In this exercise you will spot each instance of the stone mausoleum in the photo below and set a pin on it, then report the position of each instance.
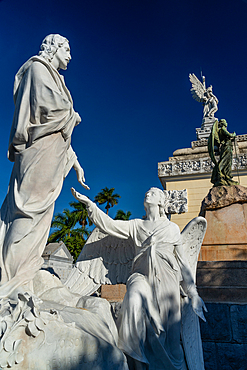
(191, 169)
(221, 270)
(58, 260)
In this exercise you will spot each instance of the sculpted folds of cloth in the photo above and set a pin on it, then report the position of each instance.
(44, 325)
(40, 147)
(221, 139)
(149, 323)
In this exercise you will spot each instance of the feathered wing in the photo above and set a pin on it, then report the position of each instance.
(104, 259)
(197, 89)
(192, 238)
(213, 140)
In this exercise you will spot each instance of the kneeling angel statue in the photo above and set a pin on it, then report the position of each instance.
(161, 304)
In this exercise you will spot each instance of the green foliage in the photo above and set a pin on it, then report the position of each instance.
(121, 215)
(73, 238)
(76, 241)
(64, 223)
(106, 196)
(80, 213)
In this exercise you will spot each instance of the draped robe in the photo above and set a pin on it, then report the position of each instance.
(149, 321)
(225, 161)
(40, 148)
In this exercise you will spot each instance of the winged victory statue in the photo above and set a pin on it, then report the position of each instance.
(204, 95)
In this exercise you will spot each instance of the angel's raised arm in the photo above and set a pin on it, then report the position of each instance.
(118, 228)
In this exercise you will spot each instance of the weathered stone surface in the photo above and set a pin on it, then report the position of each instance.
(226, 236)
(223, 196)
(195, 163)
(231, 356)
(210, 358)
(113, 293)
(217, 327)
(222, 281)
(222, 273)
(223, 294)
(188, 151)
(239, 323)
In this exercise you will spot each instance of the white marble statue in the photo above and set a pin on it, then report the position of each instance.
(40, 147)
(43, 326)
(152, 256)
(53, 328)
(204, 95)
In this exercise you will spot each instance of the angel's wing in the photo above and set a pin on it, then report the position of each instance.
(192, 238)
(213, 140)
(104, 259)
(197, 89)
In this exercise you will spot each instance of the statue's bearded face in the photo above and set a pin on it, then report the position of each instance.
(62, 56)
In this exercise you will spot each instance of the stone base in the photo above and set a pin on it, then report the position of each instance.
(223, 253)
(226, 236)
(224, 281)
(224, 336)
(113, 293)
(222, 196)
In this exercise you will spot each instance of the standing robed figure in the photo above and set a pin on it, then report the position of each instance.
(40, 147)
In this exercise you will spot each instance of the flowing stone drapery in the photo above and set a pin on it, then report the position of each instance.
(40, 148)
(149, 321)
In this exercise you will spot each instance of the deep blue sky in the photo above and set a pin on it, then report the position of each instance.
(129, 81)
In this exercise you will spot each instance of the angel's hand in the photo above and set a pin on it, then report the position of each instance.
(198, 306)
(82, 198)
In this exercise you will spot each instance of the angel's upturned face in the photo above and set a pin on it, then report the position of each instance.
(152, 197)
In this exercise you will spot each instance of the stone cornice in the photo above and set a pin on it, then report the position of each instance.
(197, 166)
(204, 142)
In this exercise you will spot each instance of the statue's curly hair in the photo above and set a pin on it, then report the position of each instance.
(50, 45)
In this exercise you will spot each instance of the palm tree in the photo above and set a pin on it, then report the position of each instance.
(121, 215)
(64, 223)
(106, 196)
(80, 212)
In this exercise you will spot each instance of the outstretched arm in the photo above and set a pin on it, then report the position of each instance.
(118, 228)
